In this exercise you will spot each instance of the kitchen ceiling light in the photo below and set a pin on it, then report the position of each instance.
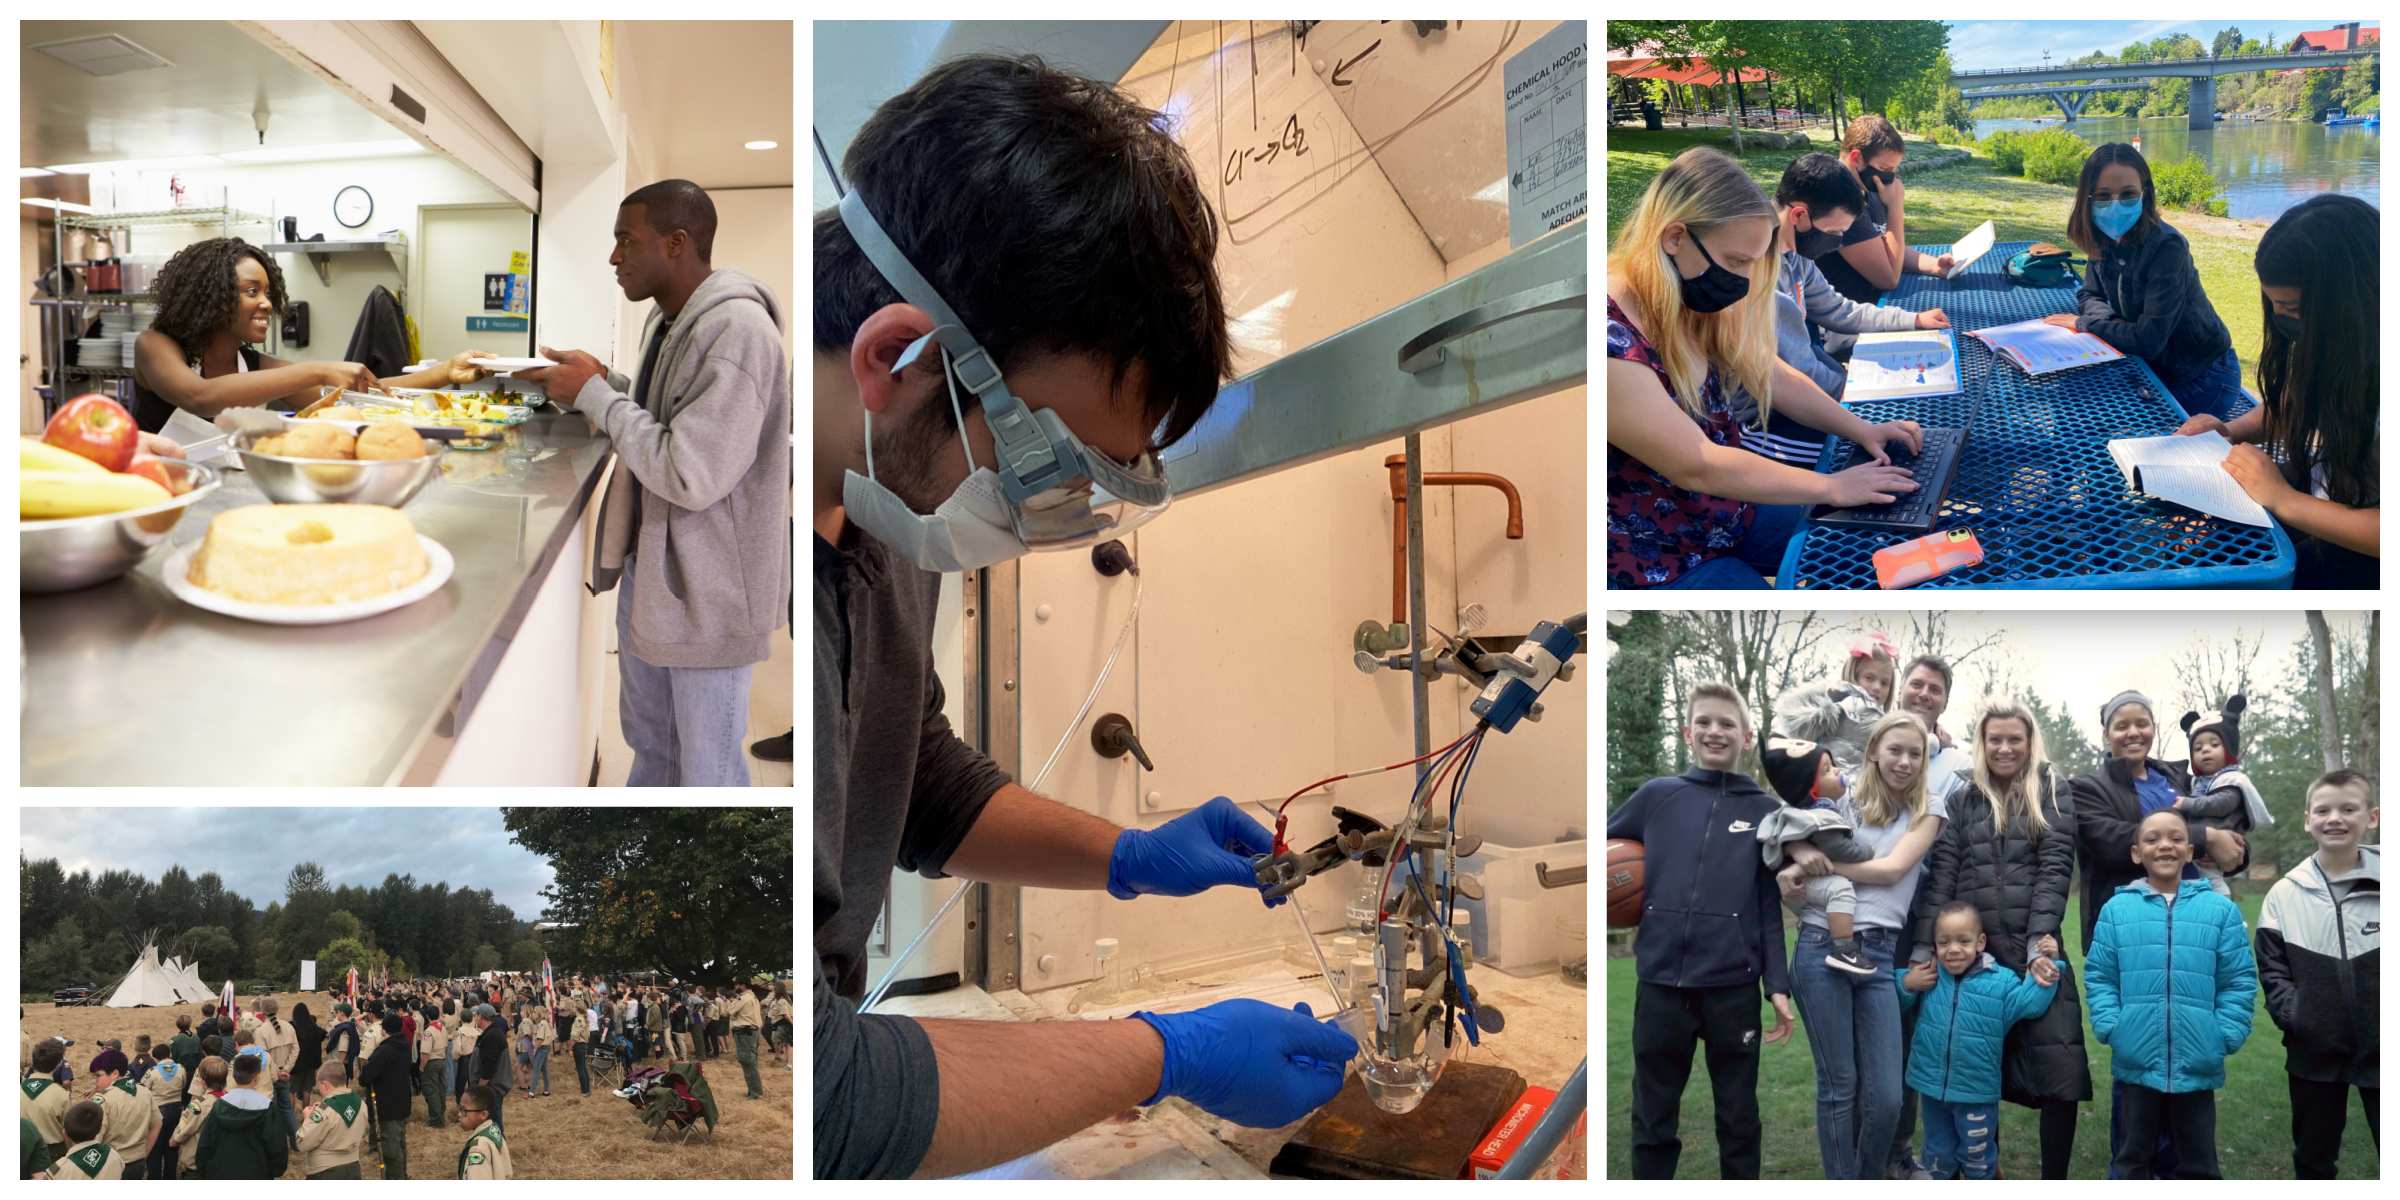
(34, 172)
(758, 145)
(136, 164)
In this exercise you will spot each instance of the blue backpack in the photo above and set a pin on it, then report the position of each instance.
(2042, 265)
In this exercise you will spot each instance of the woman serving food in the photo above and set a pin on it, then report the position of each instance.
(216, 301)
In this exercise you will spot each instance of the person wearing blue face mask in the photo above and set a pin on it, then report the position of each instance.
(1017, 307)
(2142, 293)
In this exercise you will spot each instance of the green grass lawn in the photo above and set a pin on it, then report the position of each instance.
(2253, 1109)
(1948, 203)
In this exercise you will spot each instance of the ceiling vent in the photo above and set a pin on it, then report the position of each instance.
(103, 55)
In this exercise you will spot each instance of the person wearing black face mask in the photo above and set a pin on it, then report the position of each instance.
(2319, 377)
(1816, 201)
(1689, 506)
(1874, 250)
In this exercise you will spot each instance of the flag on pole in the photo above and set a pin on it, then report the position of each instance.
(354, 988)
(549, 985)
(225, 1001)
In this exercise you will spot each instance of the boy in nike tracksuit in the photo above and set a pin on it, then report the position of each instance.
(1711, 934)
(2320, 961)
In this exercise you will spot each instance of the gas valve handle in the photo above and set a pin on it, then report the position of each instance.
(1113, 737)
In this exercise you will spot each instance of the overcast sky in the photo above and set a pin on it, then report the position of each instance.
(1982, 45)
(252, 849)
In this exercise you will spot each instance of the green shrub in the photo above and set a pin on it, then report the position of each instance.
(1945, 135)
(2007, 149)
(2055, 156)
(2185, 183)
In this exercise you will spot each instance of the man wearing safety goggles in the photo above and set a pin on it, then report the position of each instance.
(1016, 308)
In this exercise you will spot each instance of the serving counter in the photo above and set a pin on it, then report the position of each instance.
(125, 684)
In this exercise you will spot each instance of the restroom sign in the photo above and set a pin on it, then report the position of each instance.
(496, 288)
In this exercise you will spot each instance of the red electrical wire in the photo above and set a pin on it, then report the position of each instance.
(1391, 858)
(1281, 821)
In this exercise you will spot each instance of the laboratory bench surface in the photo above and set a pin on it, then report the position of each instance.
(1548, 1033)
(126, 684)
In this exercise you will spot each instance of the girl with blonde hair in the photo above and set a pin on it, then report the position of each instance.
(1691, 315)
(2009, 850)
(1854, 1030)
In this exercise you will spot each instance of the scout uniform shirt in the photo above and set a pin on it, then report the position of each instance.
(164, 1082)
(87, 1161)
(744, 1010)
(370, 1035)
(187, 1131)
(485, 1156)
(433, 1042)
(283, 1046)
(128, 1121)
(45, 1104)
(462, 1038)
(331, 1135)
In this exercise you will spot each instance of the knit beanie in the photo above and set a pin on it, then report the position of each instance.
(108, 1061)
(2108, 711)
(2226, 723)
(1791, 765)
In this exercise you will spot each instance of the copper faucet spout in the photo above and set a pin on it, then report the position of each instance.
(1398, 466)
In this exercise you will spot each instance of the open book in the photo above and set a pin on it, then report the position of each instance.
(1903, 362)
(2188, 471)
(1966, 250)
(2042, 348)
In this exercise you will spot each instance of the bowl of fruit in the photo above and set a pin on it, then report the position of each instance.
(89, 504)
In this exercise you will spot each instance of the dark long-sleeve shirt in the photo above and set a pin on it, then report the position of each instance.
(1711, 914)
(894, 787)
(2144, 298)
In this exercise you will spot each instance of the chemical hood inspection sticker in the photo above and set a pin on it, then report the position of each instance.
(1545, 89)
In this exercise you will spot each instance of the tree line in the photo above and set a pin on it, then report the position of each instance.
(86, 928)
(2278, 94)
(2322, 711)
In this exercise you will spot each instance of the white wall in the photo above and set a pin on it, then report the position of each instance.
(754, 236)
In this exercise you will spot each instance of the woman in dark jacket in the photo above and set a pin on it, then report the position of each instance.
(2014, 860)
(312, 1053)
(2141, 293)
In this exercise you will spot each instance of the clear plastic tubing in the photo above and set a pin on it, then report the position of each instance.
(1323, 970)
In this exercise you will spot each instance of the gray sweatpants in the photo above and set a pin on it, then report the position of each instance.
(685, 725)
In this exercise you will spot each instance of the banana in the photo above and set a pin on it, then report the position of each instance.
(34, 454)
(42, 495)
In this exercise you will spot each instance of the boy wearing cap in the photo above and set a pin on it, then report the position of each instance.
(89, 1157)
(1804, 775)
(128, 1118)
(2222, 796)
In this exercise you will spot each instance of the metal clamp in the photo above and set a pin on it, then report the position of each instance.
(1424, 351)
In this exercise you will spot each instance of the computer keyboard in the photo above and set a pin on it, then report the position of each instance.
(1933, 468)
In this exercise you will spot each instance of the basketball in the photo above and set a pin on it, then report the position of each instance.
(1624, 883)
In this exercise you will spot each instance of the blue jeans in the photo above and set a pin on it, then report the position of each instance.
(1760, 554)
(1960, 1139)
(2212, 388)
(685, 725)
(1854, 1035)
(541, 1071)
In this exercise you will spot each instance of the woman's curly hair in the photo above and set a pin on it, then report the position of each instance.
(197, 290)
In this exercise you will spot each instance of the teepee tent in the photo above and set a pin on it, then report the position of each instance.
(151, 983)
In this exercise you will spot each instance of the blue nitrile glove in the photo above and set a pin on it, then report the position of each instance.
(1250, 1062)
(1211, 846)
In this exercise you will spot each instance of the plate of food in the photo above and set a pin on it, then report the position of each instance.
(307, 564)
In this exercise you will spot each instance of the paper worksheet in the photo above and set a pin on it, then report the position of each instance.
(2188, 471)
(2042, 348)
(1905, 362)
(1966, 250)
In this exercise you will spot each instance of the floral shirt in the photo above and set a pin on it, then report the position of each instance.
(1656, 530)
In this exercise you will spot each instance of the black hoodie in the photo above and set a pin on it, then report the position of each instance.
(1711, 915)
(2144, 297)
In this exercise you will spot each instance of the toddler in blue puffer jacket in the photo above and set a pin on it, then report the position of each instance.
(2172, 990)
(1954, 1064)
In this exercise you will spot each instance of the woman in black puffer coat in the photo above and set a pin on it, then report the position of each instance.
(2016, 864)
(2109, 805)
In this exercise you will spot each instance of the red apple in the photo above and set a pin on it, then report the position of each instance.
(97, 428)
(155, 469)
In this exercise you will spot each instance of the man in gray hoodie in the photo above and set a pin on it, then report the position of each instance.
(694, 533)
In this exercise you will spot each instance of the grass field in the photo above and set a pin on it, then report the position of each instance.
(2253, 1109)
(564, 1136)
(1947, 204)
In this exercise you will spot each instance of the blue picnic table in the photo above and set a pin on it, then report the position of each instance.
(2035, 482)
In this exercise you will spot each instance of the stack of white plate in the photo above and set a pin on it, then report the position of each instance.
(100, 352)
(116, 320)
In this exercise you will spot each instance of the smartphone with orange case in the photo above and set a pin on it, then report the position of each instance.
(1919, 559)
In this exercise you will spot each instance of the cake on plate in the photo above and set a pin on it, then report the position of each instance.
(309, 553)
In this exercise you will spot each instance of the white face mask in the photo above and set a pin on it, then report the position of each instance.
(968, 532)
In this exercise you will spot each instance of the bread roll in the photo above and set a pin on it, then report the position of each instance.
(385, 442)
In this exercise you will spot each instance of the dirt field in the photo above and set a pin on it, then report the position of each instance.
(564, 1136)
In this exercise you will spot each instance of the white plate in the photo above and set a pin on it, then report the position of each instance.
(505, 366)
(178, 567)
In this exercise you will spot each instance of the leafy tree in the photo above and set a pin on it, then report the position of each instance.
(209, 948)
(485, 958)
(1640, 730)
(525, 956)
(341, 954)
(2228, 41)
(59, 959)
(340, 924)
(701, 893)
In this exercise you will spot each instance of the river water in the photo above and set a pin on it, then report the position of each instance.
(2265, 167)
